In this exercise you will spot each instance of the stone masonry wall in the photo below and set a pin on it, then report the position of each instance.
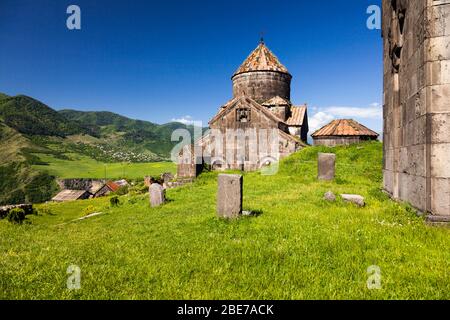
(339, 141)
(262, 85)
(417, 103)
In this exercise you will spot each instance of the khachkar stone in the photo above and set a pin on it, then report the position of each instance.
(157, 195)
(416, 103)
(229, 196)
(326, 166)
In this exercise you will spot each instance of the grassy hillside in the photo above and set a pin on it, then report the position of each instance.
(38, 144)
(32, 117)
(19, 183)
(299, 247)
(79, 166)
(129, 133)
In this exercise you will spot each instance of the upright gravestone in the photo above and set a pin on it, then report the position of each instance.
(229, 196)
(157, 195)
(167, 177)
(326, 166)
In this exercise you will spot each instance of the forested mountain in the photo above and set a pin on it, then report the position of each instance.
(29, 129)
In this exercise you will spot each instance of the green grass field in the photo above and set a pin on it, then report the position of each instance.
(80, 166)
(299, 247)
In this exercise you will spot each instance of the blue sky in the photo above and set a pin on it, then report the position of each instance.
(165, 60)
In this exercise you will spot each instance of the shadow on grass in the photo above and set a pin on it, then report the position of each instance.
(252, 213)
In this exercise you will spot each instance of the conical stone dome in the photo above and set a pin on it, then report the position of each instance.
(262, 76)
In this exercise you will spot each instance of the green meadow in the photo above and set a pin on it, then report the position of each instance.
(80, 166)
(299, 246)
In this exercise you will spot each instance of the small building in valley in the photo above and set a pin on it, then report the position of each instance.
(122, 183)
(343, 132)
(106, 189)
(71, 195)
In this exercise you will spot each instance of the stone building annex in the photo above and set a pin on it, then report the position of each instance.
(259, 125)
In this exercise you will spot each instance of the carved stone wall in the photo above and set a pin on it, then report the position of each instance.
(416, 103)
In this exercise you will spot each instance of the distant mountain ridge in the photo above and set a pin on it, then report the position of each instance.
(31, 117)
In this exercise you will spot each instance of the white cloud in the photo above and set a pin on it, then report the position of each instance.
(187, 120)
(325, 115)
(318, 120)
(374, 111)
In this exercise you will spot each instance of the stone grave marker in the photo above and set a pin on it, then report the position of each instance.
(327, 166)
(157, 195)
(229, 196)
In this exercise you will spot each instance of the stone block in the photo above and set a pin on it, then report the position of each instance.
(157, 195)
(388, 183)
(415, 131)
(229, 195)
(439, 127)
(412, 160)
(326, 166)
(413, 189)
(440, 163)
(354, 198)
(329, 196)
(438, 98)
(437, 48)
(440, 196)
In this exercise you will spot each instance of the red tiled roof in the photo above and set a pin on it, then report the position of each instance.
(113, 186)
(344, 127)
(261, 59)
(297, 116)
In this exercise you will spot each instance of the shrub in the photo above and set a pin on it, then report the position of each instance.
(40, 188)
(88, 210)
(16, 215)
(122, 191)
(114, 201)
(44, 211)
(132, 200)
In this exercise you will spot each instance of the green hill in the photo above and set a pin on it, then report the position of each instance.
(37, 141)
(31, 117)
(299, 246)
(127, 132)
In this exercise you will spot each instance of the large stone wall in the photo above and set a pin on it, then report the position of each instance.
(262, 85)
(417, 103)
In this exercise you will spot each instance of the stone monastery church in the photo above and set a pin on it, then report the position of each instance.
(259, 125)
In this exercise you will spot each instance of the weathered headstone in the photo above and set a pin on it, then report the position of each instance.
(354, 198)
(329, 196)
(157, 195)
(326, 166)
(167, 177)
(229, 195)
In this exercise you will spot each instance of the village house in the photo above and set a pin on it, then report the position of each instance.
(81, 189)
(105, 190)
(343, 132)
(71, 195)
